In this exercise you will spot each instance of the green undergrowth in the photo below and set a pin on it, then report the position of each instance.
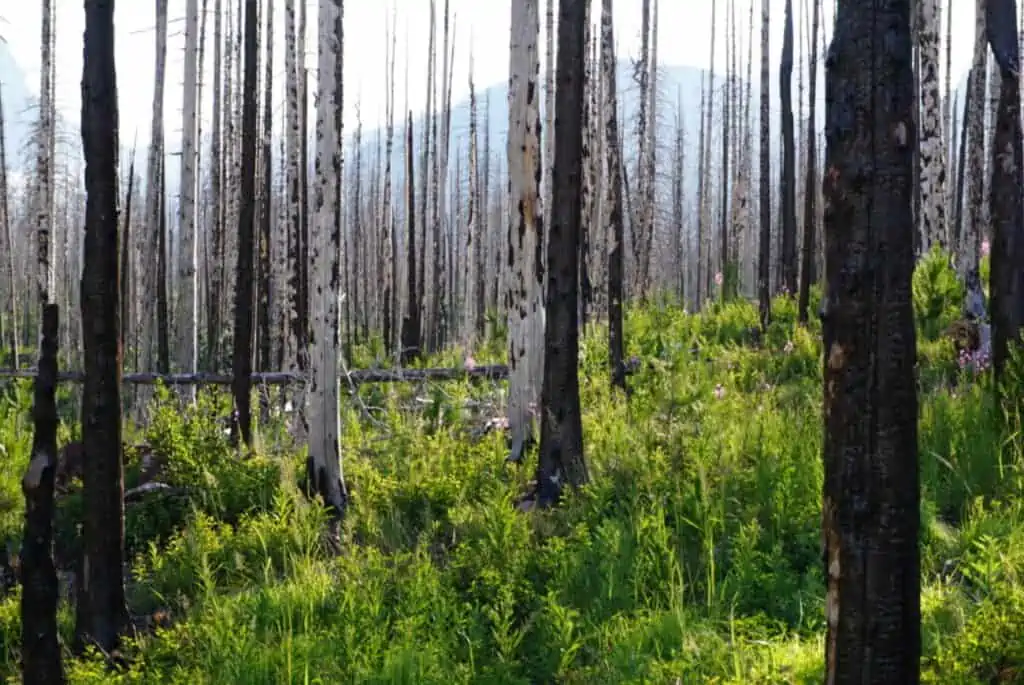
(693, 557)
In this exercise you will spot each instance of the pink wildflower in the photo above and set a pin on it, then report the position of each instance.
(986, 247)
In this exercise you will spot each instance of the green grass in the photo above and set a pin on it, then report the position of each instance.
(693, 557)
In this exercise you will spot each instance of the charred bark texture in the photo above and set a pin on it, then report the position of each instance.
(561, 459)
(807, 275)
(40, 644)
(102, 613)
(242, 361)
(1007, 272)
(126, 241)
(870, 512)
(617, 231)
(163, 317)
(764, 303)
(789, 270)
(411, 320)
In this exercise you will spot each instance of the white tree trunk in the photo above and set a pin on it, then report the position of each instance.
(525, 290)
(324, 464)
(186, 324)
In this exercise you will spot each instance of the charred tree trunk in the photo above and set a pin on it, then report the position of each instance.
(411, 321)
(102, 613)
(1007, 272)
(870, 514)
(267, 295)
(387, 257)
(970, 250)
(561, 459)
(214, 266)
(808, 250)
(40, 641)
(765, 235)
(242, 358)
(957, 240)
(163, 317)
(789, 271)
(125, 268)
(44, 162)
(5, 225)
(617, 237)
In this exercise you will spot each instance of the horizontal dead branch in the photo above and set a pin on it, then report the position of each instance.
(358, 377)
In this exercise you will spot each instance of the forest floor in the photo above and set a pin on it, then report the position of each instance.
(694, 556)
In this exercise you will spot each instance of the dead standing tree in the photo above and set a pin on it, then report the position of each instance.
(870, 514)
(41, 653)
(102, 613)
(1007, 274)
(561, 460)
(244, 287)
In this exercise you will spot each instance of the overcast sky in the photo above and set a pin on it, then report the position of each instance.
(480, 26)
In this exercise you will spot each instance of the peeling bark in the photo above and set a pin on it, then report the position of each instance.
(525, 292)
(324, 472)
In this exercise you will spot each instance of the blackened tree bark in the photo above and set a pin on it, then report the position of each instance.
(266, 236)
(808, 250)
(958, 204)
(870, 512)
(764, 302)
(40, 646)
(126, 264)
(102, 613)
(1006, 278)
(788, 157)
(163, 317)
(411, 320)
(617, 235)
(561, 439)
(242, 360)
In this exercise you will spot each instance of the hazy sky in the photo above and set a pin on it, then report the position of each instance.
(480, 26)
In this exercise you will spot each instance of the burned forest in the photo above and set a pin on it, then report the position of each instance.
(531, 341)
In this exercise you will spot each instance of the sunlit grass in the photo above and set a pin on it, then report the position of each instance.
(694, 555)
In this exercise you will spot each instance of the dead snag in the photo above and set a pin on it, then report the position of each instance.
(41, 662)
(101, 613)
(561, 461)
(871, 493)
(1006, 279)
